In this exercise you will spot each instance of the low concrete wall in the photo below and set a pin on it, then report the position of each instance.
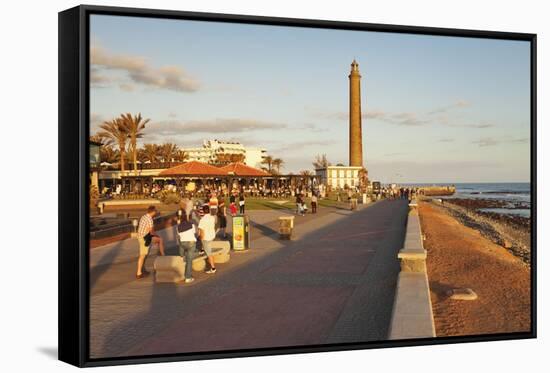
(412, 315)
(104, 205)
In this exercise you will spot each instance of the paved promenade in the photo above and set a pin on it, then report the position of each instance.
(334, 282)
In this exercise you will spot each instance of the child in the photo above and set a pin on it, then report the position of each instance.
(233, 208)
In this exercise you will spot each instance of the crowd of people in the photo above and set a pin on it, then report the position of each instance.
(400, 193)
(256, 190)
(198, 223)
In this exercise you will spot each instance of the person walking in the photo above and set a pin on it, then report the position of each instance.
(300, 204)
(233, 208)
(222, 220)
(314, 203)
(241, 204)
(207, 234)
(213, 202)
(187, 244)
(189, 207)
(147, 236)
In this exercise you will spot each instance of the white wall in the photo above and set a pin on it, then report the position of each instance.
(29, 81)
(253, 157)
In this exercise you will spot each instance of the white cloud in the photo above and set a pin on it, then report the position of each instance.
(455, 105)
(301, 145)
(95, 121)
(408, 118)
(215, 126)
(139, 71)
(491, 141)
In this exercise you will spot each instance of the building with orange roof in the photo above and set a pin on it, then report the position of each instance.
(193, 168)
(240, 169)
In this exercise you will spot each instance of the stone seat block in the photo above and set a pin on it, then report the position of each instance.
(169, 268)
(220, 247)
(221, 258)
(412, 254)
(199, 263)
(220, 251)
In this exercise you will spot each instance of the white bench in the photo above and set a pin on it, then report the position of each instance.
(171, 268)
(220, 250)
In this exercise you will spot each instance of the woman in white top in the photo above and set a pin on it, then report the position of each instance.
(187, 243)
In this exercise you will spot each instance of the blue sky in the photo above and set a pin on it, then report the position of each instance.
(435, 109)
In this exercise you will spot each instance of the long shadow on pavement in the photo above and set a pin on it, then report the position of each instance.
(364, 316)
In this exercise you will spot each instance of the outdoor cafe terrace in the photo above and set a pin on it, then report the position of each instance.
(196, 176)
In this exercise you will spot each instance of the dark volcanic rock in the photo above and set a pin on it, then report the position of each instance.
(512, 232)
(478, 203)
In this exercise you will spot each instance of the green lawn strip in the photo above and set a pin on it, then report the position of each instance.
(254, 203)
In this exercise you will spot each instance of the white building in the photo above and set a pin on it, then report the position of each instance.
(254, 157)
(210, 150)
(339, 176)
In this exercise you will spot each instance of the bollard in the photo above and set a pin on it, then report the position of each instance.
(286, 225)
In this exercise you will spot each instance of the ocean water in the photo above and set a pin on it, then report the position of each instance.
(517, 196)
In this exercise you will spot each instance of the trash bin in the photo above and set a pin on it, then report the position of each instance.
(286, 225)
(241, 233)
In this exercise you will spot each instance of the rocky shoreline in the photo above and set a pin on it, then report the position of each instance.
(512, 232)
(476, 204)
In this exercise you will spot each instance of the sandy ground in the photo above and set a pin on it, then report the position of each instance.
(460, 257)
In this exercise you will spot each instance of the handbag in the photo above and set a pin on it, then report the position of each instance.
(148, 238)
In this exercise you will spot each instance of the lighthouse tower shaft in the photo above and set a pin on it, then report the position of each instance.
(355, 132)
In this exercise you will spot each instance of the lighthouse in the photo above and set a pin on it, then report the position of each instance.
(355, 175)
(355, 131)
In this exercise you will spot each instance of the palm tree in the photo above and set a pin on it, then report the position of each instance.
(181, 155)
(168, 151)
(268, 160)
(116, 131)
(135, 125)
(108, 154)
(97, 138)
(278, 163)
(236, 158)
(223, 159)
(150, 152)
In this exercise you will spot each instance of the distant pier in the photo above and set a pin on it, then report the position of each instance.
(437, 190)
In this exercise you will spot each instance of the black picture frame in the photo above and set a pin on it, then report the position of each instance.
(74, 167)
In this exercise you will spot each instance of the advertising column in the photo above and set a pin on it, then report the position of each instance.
(241, 233)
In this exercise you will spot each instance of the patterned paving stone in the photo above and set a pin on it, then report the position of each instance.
(334, 282)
